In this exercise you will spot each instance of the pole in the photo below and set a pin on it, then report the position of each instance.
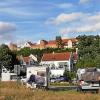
(47, 77)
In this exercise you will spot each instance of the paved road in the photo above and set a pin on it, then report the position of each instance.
(62, 88)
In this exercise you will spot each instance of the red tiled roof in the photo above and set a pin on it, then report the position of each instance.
(52, 42)
(63, 40)
(72, 39)
(56, 56)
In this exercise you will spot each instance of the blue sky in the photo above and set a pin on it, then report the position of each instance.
(33, 20)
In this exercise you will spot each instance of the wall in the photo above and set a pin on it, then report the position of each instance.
(56, 63)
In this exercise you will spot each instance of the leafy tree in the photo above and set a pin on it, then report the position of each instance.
(25, 51)
(5, 56)
(69, 75)
(88, 51)
(97, 61)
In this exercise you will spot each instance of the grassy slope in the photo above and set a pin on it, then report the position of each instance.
(12, 91)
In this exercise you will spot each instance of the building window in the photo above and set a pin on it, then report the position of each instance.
(53, 66)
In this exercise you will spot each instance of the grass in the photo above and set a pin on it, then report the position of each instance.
(14, 91)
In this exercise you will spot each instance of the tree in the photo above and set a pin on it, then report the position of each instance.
(88, 51)
(69, 75)
(97, 61)
(59, 42)
(7, 58)
(25, 51)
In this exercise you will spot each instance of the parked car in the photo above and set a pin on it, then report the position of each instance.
(88, 86)
(59, 79)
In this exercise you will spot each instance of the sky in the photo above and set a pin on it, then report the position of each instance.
(34, 20)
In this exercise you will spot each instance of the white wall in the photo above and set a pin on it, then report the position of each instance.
(57, 72)
(26, 44)
(56, 63)
(69, 44)
(80, 72)
(5, 76)
(33, 57)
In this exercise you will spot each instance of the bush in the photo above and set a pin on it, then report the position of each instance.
(69, 75)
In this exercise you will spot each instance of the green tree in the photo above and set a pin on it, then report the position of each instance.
(97, 61)
(5, 56)
(88, 51)
(25, 51)
(59, 42)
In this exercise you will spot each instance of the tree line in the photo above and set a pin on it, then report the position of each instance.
(88, 51)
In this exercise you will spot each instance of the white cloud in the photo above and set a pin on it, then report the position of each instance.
(63, 18)
(80, 29)
(94, 18)
(84, 1)
(77, 22)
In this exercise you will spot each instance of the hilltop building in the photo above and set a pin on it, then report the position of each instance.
(28, 60)
(67, 43)
(12, 46)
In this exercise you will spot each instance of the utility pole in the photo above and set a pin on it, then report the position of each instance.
(47, 77)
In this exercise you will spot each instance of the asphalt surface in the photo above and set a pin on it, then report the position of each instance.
(62, 87)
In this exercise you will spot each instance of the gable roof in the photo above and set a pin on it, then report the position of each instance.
(30, 43)
(56, 56)
(27, 58)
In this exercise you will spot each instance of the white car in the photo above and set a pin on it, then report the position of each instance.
(85, 86)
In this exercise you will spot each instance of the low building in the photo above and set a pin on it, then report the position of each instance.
(6, 75)
(28, 60)
(59, 60)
